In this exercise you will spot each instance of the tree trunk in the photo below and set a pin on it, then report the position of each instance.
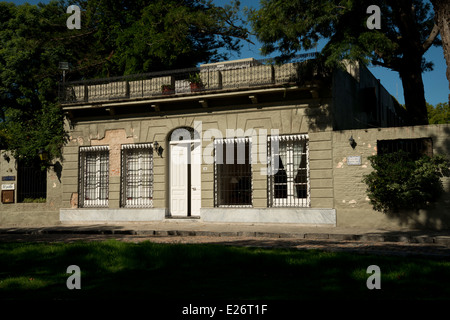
(414, 92)
(411, 62)
(442, 17)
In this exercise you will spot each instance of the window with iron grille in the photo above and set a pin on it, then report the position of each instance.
(94, 177)
(415, 147)
(233, 172)
(137, 176)
(288, 178)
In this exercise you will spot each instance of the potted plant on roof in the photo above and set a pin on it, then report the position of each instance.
(168, 88)
(196, 82)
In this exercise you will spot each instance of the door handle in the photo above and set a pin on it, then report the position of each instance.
(194, 188)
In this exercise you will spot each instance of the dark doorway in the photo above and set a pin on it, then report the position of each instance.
(31, 182)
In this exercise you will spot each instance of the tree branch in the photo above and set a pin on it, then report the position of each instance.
(226, 34)
(427, 44)
(74, 36)
(228, 18)
(393, 63)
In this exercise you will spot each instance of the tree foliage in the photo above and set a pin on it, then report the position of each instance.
(401, 182)
(407, 31)
(116, 38)
(143, 36)
(29, 56)
(439, 114)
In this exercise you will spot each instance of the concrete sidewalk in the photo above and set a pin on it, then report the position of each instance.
(193, 227)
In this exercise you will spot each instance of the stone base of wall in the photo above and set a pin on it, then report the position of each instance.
(301, 216)
(111, 215)
(29, 218)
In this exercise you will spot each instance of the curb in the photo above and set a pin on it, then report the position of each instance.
(421, 239)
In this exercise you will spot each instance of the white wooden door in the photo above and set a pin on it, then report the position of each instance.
(196, 192)
(179, 179)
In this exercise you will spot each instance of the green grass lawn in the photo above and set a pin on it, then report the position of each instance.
(119, 270)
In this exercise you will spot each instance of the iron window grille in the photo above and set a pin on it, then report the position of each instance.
(137, 175)
(31, 182)
(233, 172)
(415, 147)
(288, 178)
(94, 177)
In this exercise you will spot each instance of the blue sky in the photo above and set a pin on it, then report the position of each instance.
(435, 82)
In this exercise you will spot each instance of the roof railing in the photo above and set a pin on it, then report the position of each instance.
(225, 75)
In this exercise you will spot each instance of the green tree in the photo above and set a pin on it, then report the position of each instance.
(407, 31)
(143, 36)
(438, 114)
(29, 56)
(116, 38)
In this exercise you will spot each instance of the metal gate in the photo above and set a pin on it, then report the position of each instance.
(31, 182)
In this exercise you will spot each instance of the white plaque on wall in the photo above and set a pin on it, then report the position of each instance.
(354, 161)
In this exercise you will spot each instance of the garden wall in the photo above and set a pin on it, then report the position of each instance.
(350, 199)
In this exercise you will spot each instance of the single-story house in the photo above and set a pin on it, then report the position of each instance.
(242, 141)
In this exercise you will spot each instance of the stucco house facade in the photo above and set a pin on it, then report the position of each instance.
(255, 143)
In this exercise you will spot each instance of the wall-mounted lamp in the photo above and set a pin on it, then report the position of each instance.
(64, 66)
(43, 156)
(352, 142)
(159, 150)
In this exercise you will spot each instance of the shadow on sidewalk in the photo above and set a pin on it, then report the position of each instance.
(405, 243)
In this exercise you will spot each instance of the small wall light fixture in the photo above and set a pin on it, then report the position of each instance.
(43, 155)
(64, 66)
(159, 150)
(352, 142)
